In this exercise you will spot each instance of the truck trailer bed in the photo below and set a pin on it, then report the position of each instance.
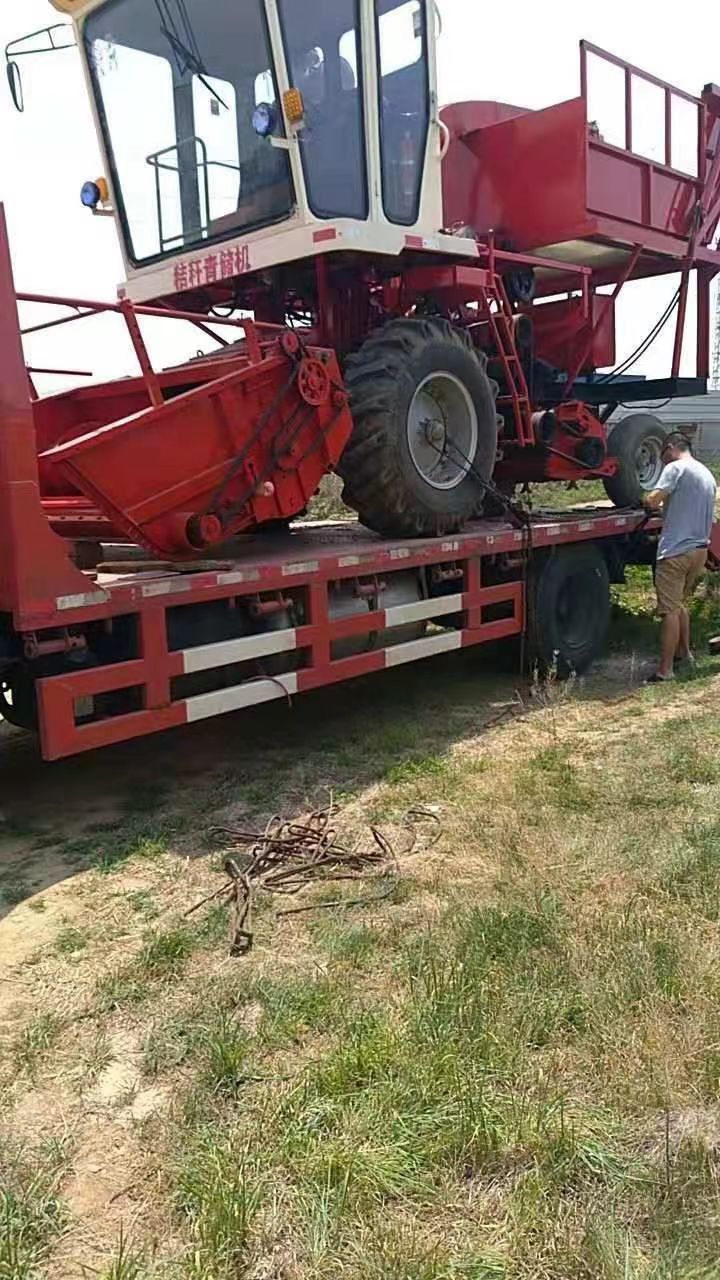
(291, 612)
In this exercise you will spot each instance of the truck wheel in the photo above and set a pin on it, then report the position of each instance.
(569, 609)
(637, 443)
(20, 708)
(425, 429)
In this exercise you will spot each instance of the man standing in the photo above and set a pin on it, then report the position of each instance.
(686, 492)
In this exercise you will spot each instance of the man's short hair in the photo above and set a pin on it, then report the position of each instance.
(676, 440)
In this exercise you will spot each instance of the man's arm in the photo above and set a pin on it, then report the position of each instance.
(667, 484)
(656, 500)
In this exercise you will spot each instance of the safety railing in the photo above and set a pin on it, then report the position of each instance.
(256, 335)
(671, 96)
(203, 165)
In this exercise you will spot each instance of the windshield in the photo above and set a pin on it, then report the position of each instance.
(177, 83)
(322, 47)
(404, 104)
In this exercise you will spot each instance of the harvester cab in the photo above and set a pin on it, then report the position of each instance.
(240, 130)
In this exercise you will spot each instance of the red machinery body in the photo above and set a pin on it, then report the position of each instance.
(224, 446)
(181, 461)
(548, 184)
(586, 190)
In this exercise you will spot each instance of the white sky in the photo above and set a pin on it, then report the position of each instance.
(527, 54)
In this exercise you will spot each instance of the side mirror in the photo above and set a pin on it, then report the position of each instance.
(48, 40)
(14, 76)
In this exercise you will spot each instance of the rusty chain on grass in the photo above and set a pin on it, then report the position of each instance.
(287, 857)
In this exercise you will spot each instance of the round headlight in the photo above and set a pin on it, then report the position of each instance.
(264, 119)
(90, 195)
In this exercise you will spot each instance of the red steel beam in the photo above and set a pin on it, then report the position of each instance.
(34, 566)
(624, 276)
(161, 313)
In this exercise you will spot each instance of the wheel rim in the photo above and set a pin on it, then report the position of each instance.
(442, 431)
(648, 462)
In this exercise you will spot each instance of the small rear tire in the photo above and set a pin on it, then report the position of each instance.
(637, 444)
(569, 610)
(425, 429)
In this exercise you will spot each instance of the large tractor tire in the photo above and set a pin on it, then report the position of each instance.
(637, 444)
(425, 429)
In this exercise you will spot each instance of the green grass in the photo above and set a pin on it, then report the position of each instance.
(165, 953)
(226, 1051)
(127, 1264)
(14, 889)
(120, 989)
(70, 940)
(417, 770)
(217, 1197)
(96, 1058)
(328, 505)
(143, 902)
(478, 1071)
(510, 1068)
(109, 845)
(428, 1090)
(558, 497)
(295, 1008)
(31, 1212)
(349, 943)
(161, 958)
(35, 1042)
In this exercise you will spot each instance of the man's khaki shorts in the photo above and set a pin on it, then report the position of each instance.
(676, 578)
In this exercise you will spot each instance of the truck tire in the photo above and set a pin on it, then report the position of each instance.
(569, 610)
(636, 443)
(425, 429)
(22, 711)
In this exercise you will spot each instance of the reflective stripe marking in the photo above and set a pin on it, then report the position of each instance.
(244, 695)
(238, 575)
(347, 562)
(168, 588)
(443, 643)
(82, 601)
(207, 656)
(416, 612)
(399, 553)
(308, 566)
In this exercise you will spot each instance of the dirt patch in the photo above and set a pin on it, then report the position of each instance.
(26, 930)
(108, 1173)
(121, 1078)
(697, 1125)
(147, 1103)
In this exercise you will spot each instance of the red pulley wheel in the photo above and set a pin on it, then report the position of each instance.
(290, 343)
(313, 381)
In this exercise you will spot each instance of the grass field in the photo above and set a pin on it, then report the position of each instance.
(328, 504)
(509, 1068)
